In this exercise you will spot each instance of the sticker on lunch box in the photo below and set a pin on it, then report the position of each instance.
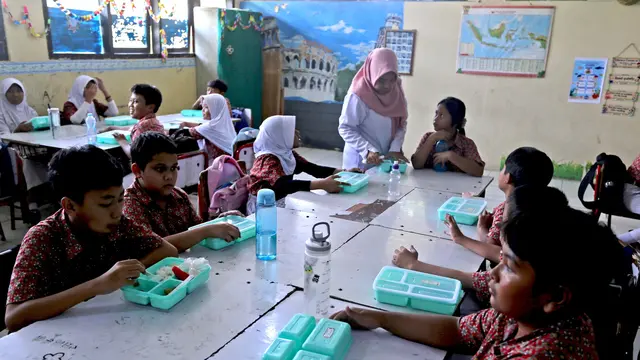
(329, 333)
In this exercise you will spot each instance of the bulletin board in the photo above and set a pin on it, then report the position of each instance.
(4, 55)
(403, 43)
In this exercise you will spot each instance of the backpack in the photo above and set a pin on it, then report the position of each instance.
(607, 177)
(184, 141)
(223, 187)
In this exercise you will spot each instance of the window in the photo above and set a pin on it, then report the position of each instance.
(109, 35)
(4, 55)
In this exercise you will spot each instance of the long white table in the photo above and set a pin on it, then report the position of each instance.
(109, 327)
(65, 137)
(418, 212)
(370, 345)
(355, 266)
(428, 179)
(294, 228)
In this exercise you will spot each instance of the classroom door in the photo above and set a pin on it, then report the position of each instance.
(240, 61)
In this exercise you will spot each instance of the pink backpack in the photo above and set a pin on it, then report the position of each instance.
(222, 198)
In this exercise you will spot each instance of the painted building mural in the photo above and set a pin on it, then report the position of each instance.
(323, 44)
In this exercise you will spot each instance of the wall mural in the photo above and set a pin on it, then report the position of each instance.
(322, 44)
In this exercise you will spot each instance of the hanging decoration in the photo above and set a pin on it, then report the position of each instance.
(162, 14)
(26, 20)
(624, 85)
(256, 25)
(163, 45)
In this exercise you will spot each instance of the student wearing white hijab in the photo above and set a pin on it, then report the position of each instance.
(82, 101)
(218, 133)
(15, 113)
(15, 116)
(276, 163)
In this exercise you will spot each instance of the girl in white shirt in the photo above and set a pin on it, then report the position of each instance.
(82, 101)
(374, 114)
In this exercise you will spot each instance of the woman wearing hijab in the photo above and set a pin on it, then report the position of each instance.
(15, 116)
(82, 101)
(15, 113)
(462, 154)
(218, 133)
(276, 163)
(374, 114)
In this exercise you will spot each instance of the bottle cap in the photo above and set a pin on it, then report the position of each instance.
(266, 197)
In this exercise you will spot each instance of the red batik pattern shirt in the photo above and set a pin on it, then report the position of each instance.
(634, 170)
(212, 150)
(147, 123)
(492, 336)
(177, 216)
(267, 168)
(493, 236)
(481, 284)
(54, 258)
(462, 146)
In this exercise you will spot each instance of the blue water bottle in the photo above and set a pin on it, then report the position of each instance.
(266, 225)
(441, 146)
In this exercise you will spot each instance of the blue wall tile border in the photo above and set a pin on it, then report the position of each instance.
(54, 66)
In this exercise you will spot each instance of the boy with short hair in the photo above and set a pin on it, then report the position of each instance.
(144, 103)
(528, 198)
(87, 248)
(155, 203)
(214, 87)
(541, 294)
(524, 166)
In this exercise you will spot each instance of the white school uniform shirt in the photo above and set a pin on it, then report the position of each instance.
(365, 130)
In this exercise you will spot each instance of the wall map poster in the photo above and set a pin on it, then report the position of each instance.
(505, 40)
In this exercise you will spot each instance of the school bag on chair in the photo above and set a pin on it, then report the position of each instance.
(607, 178)
(223, 187)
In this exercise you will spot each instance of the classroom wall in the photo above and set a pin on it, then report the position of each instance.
(29, 62)
(504, 113)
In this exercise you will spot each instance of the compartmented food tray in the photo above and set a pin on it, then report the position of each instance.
(174, 125)
(356, 181)
(417, 290)
(191, 113)
(246, 226)
(40, 122)
(166, 293)
(108, 139)
(464, 210)
(328, 340)
(123, 120)
(387, 164)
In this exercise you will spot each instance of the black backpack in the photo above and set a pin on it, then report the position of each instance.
(184, 141)
(611, 186)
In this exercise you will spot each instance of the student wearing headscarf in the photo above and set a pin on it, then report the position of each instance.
(218, 133)
(15, 116)
(276, 163)
(15, 113)
(82, 101)
(448, 123)
(373, 122)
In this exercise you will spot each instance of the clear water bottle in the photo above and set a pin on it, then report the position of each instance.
(90, 121)
(394, 180)
(317, 272)
(441, 146)
(266, 225)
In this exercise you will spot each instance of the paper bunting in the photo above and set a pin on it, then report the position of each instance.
(256, 25)
(163, 13)
(25, 20)
(163, 44)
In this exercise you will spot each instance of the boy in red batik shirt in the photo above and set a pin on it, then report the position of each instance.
(541, 293)
(83, 250)
(155, 203)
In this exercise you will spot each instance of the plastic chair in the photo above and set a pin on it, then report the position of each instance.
(191, 164)
(7, 261)
(19, 195)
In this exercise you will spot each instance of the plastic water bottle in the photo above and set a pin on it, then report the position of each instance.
(441, 146)
(394, 180)
(90, 121)
(266, 225)
(317, 272)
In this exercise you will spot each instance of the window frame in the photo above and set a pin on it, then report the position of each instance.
(4, 46)
(152, 51)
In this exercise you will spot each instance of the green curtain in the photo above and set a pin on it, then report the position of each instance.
(242, 69)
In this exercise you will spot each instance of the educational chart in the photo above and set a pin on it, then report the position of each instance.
(587, 80)
(402, 42)
(505, 40)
